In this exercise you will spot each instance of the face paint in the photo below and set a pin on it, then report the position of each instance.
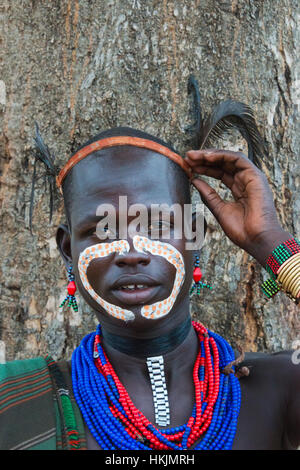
(173, 256)
(141, 244)
(99, 251)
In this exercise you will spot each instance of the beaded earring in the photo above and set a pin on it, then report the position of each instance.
(197, 275)
(70, 298)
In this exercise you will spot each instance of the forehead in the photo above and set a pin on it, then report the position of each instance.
(142, 175)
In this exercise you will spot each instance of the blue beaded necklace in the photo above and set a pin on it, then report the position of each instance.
(116, 424)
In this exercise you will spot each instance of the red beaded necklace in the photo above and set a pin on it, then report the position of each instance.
(206, 376)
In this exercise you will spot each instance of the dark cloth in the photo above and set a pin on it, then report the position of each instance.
(32, 414)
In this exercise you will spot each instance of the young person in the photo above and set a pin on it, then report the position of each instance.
(149, 378)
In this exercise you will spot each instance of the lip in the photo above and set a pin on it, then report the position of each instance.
(127, 279)
(135, 296)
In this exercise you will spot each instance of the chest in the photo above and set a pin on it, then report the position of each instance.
(261, 418)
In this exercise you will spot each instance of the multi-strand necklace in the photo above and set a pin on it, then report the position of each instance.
(116, 423)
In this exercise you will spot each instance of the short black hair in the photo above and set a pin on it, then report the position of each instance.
(129, 131)
(126, 131)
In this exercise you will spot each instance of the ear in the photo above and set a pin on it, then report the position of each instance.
(63, 241)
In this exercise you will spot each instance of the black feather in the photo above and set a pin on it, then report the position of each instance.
(196, 127)
(43, 155)
(233, 114)
(43, 152)
(32, 194)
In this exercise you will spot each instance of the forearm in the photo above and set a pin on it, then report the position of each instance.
(279, 253)
(263, 246)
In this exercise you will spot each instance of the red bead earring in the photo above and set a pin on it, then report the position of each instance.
(197, 276)
(71, 288)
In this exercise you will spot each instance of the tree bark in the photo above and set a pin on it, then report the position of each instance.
(78, 67)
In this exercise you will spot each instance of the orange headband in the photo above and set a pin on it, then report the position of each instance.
(116, 141)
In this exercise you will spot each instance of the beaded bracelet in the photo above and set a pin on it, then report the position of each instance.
(284, 267)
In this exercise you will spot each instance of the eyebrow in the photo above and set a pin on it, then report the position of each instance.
(93, 218)
(89, 219)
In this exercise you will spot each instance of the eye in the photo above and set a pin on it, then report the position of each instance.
(90, 232)
(104, 233)
(160, 228)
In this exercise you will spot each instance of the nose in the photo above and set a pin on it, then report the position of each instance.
(133, 257)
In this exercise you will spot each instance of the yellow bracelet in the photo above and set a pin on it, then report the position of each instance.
(284, 266)
(295, 287)
(280, 270)
(287, 269)
(291, 277)
(288, 278)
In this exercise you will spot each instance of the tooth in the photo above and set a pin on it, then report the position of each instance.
(134, 286)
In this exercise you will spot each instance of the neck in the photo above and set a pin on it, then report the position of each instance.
(142, 348)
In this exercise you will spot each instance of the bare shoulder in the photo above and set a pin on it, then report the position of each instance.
(291, 357)
(281, 369)
(275, 378)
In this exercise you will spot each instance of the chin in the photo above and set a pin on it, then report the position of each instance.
(143, 327)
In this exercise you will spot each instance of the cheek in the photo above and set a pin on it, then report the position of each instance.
(95, 260)
(167, 270)
(175, 259)
(96, 272)
(188, 260)
(172, 256)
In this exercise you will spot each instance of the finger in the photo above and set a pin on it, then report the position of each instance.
(220, 153)
(242, 170)
(231, 162)
(217, 173)
(237, 182)
(227, 179)
(209, 196)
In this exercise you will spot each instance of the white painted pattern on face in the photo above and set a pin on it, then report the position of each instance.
(99, 251)
(173, 256)
(141, 244)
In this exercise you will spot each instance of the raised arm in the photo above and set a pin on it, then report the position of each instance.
(250, 221)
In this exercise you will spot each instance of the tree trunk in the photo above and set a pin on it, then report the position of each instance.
(81, 66)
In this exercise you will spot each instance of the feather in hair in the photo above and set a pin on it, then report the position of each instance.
(233, 114)
(43, 155)
(195, 128)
